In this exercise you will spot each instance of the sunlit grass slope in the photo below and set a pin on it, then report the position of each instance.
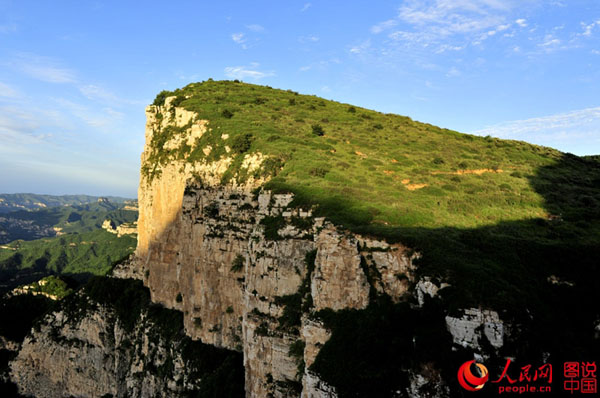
(386, 169)
(494, 217)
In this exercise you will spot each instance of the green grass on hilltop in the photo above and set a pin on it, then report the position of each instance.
(496, 236)
(327, 152)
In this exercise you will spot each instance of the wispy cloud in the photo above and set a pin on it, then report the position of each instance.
(380, 27)
(247, 72)
(238, 37)
(438, 26)
(43, 68)
(589, 28)
(580, 127)
(93, 117)
(255, 28)
(360, 48)
(522, 22)
(550, 42)
(305, 7)
(436, 22)
(7, 91)
(308, 39)
(321, 65)
(94, 92)
(453, 72)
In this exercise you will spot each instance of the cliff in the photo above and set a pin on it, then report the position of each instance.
(289, 230)
(108, 340)
(233, 258)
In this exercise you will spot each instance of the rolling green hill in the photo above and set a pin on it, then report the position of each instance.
(509, 225)
(383, 169)
(76, 255)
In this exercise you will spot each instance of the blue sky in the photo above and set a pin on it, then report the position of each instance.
(75, 76)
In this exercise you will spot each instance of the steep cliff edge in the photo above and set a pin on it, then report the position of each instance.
(108, 340)
(341, 251)
(263, 236)
(248, 268)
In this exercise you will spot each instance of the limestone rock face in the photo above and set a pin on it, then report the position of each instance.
(203, 248)
(467, 330)
(248, 271)
(95, 356)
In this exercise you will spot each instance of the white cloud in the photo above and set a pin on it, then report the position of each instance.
(550, 43)
(250, 72)
(559, 130)
(43, 68)
(93, 117)
(522, 22)
(361, 47)
(453, 72)
(588, 28)
(255, 28)
(238, 38)
(446, 47)
(380, 27)
(321, 65)
(93, 92)
(305, 7)
(442, 25)
(48, 73)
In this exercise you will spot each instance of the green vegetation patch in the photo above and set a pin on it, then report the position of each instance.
(368, 154)
(51, 285)
(77, 255)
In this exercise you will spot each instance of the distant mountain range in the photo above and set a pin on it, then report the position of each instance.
(32, 201)
(75, 218)
(64, 235)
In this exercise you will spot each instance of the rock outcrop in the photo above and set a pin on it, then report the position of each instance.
(230, 258)
(87, 349)
(248, 271)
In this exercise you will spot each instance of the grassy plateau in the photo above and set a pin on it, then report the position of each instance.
(511, 226)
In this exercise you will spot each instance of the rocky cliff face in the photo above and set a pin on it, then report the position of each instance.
(248, 271)
(233, 259)
(89, 349)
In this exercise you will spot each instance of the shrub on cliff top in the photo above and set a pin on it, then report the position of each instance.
(160, 98)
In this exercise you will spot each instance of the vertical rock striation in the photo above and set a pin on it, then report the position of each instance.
(232, 259)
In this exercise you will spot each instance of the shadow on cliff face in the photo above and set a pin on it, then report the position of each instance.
(541, 275)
